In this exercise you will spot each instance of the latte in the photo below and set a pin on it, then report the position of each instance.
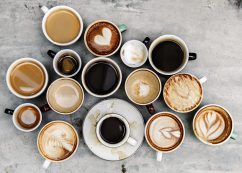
(102, 38)
(183, 92)
(57, 140)
(212, 124)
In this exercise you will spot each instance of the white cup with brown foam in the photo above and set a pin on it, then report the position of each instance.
(164, 132)
(57, 142)
(183, 92)
(61, 25)
(213, 125)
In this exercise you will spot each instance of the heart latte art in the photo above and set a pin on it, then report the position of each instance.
(105, 38)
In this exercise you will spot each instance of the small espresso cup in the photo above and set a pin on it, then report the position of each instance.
(57, 142)
(143, 87)
(27, 78)
(213, 125)
(101, 77)
(164, 132)
(27, 110)
(100, 130)
(48, 12)
(175, 65)
(103, 38)
(69, 55)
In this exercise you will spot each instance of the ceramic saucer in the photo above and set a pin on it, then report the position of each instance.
(120, 107)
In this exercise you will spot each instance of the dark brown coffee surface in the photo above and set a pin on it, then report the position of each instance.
(67, 64)
(28, 117)
(167, 56)
(109, 43)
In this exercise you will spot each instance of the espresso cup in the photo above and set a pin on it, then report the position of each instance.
(66, 62)
(27, 78)
(57, 142)
(26, 117)
(103, 38)
(119, 133)
(168, 54)
(64, 96)
(183, 92)
(213, 125)
(101, 77)
(164, 132)
(143, 87)
(61, 25)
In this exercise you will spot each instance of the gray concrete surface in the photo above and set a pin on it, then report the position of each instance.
(212, 28)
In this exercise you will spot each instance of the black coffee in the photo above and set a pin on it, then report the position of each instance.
(112, 130)
(67, 64)
(167, 56)
(101, 78)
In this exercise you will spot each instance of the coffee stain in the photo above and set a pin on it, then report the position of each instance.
(133, 125)
(94, 118)
(110, 107)
(121, 154)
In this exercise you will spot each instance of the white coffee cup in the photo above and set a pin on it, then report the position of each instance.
(14, 114)
(127, 137)
(58, 55)
(181, 43)
(48, 11)
(13, 65)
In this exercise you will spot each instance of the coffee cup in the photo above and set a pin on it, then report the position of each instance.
(61, 25)
(27, 78)
(183, 92)
(57, 142)
(143, 87)
(134, 53)
(119, 133)
(26, 117)
(213, 125)
(103, 38)
(64, 96)
(101, 77)
(66, 62)
(164, 132)
(168, 54)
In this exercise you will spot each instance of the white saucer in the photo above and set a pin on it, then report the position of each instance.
(120, 107)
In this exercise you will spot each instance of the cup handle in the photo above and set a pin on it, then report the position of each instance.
(9, 111)
(203, 79)
(122, 27)
(159, 156)
(46, 164)
(51, 53)
(150, 108)
(45, 108)
(234, 135)
(192, 56)
(44, 9)
(132, 141)
(146, 41)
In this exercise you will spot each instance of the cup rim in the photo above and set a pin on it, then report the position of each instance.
(161, 39)
(58, 55)
(143, 69)
(14, 116)
(196, 105)
(66, 78)
(127, 135)
(97, 21)
(219, 106)
(137, 65)
(98, 59)
(52, 122)
(13, 65)
(165, 112)
(54, 9)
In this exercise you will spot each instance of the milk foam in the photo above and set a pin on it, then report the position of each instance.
(105, 38)
(133, 53)
(141, 88)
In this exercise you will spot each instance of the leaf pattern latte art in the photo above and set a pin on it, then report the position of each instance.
(169, 132)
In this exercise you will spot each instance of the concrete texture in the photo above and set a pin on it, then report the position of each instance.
(212, 28)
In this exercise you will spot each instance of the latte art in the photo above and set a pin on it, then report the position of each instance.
(105, 38)
(141, 88)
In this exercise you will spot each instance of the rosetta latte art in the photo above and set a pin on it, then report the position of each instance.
(169, 132)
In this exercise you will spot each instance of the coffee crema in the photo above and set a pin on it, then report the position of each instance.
(183, 92)
(213, 124)
(62, 26)
(103, 38)
(27, 78)
(142, 86)
(67, 64)
(57, 141)
(164, 132)
(28, 117)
